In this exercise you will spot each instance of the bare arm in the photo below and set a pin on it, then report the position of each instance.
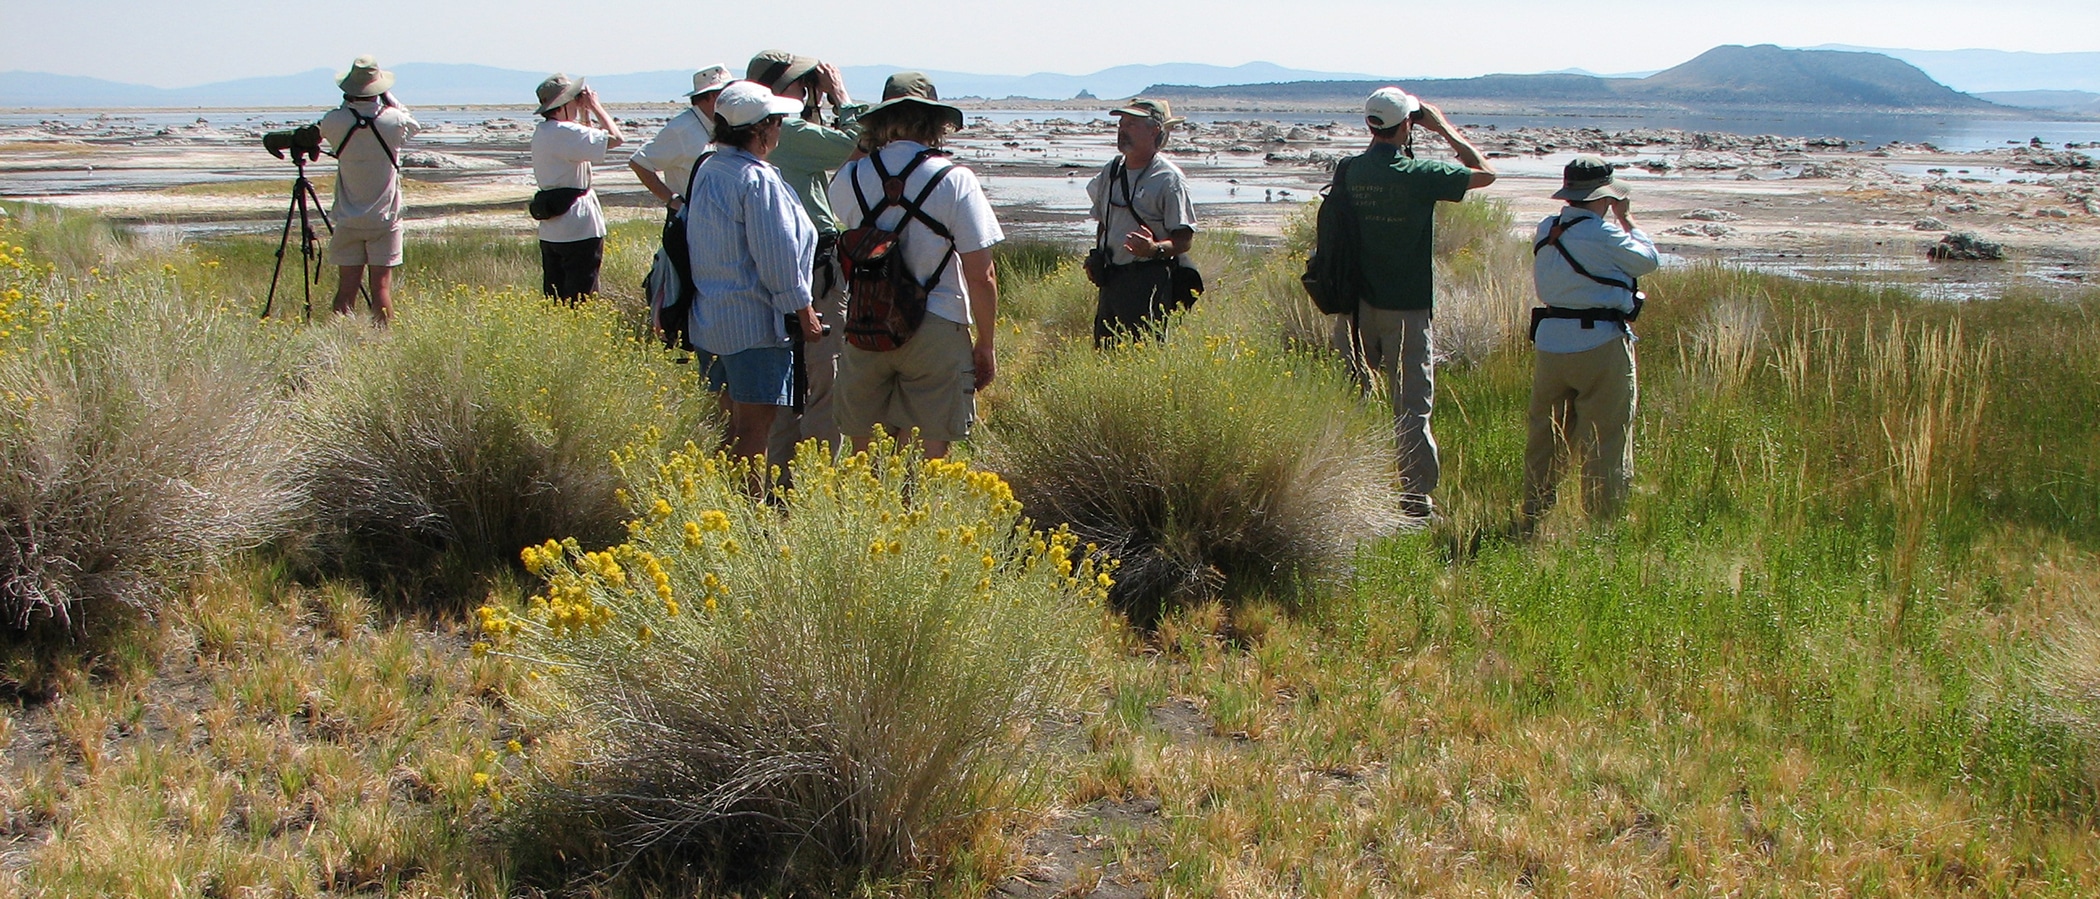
(982, 282)
(1143, 244)
(650, 180)
(1468, 155)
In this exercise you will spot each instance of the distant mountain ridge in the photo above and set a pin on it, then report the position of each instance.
(1763, 76)
(1976, 71)
(461, 84)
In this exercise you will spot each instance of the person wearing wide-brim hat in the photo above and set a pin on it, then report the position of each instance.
(1145, 223)
(574, 134)
(665, 163)
(929, 383)
(810, 150)
(366, 134)
(1587, 272)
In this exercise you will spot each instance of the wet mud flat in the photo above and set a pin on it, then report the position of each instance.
(1818, 207)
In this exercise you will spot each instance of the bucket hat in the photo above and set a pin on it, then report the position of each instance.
(914, 88)
(778, 68)
(748, 103)
(1390, 106)
(365, 78)
(557, 91)
(712, 78)
(1156, 110)
(1589, 178)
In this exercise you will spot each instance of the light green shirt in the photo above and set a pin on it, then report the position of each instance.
(806, 157)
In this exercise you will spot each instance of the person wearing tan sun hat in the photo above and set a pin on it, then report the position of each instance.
(574, 135)
(365, 135)
(1145, 222)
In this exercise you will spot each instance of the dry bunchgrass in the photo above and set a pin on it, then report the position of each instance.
(142, 438)
(480, 423)
(1208, 465)
(277, 741)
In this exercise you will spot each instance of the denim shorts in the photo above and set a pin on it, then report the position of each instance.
(762, 376)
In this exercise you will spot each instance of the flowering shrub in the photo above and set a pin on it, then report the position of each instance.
(479, 423)
(839, 685)
(1204, 464)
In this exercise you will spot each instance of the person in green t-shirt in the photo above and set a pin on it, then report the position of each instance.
(1395, 196)
(809, 151)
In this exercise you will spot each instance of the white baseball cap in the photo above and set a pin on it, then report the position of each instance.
(1390, 106)
(748, 103)
(712, 78)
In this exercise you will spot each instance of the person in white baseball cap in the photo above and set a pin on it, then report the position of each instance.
(751, 247)
(1395, 197)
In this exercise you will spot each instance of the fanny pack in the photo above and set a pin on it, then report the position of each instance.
(554, 201)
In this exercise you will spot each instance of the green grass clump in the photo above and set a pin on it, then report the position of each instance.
(1209, 466)
(478, 424)
(796, 696)
(141, 439)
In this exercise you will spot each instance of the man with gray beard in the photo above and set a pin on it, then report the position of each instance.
(1146, 223)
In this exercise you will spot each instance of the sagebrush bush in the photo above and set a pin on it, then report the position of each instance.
(142, 436)
(839, 685)
(480, 423)
(1203, 463)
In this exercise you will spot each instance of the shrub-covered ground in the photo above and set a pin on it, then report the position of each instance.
(1844, 641)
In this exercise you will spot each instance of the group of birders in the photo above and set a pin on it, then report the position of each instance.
(830, 264)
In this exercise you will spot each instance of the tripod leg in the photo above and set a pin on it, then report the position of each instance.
(283, 238)
(307, 249)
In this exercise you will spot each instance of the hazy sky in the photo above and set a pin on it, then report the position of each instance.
(175, 44)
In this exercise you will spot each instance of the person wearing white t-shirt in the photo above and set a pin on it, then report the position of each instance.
(574, 136)
(365, 135)
(665, 163)
(930, 383)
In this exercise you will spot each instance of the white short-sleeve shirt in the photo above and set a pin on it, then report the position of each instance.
(562, 156)
(674, 149)
(958, 203)
(1158, 197)
(368, 182)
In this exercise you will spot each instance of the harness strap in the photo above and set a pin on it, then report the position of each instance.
(1560, 225)
(367, 123)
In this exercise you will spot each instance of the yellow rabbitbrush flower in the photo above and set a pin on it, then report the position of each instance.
(854, 603)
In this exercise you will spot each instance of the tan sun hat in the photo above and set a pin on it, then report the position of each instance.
(365, 78)
(712, 78)
(557, 91)
(1156, 110)
(914, 88)
(778, 68)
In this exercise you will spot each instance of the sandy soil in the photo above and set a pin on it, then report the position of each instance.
(1819, 208)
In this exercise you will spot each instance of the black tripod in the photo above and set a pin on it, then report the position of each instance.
(305, 204)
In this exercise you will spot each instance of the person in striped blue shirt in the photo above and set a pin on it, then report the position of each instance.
(751, 247)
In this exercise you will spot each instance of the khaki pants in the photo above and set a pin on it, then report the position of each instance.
(1397, 343)
(821, 361)
(1581, 402)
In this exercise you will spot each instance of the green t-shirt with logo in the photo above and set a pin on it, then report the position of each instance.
(1396, 201)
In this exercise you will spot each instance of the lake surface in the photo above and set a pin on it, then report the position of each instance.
(1950, 132)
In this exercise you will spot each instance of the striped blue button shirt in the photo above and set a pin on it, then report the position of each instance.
(751, 247)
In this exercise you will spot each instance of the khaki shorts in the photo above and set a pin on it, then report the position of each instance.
(376, 247)
(929, 383)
